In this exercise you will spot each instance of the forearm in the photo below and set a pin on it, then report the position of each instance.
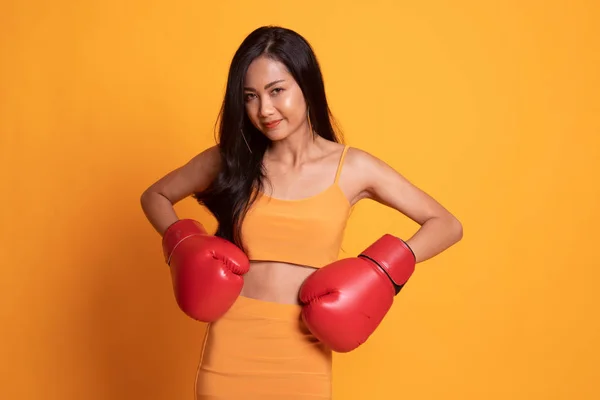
(434, 236)
(158, 210)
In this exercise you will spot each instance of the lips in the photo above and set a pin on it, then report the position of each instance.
(272, 124)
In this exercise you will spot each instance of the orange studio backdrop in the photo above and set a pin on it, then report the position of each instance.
(491, 107)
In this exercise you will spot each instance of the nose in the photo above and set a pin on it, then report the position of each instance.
(266, 107)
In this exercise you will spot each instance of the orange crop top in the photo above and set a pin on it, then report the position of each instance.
(306, 232)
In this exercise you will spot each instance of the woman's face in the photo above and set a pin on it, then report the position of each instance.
(274, 102)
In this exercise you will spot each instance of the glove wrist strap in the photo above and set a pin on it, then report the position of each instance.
(394, 257)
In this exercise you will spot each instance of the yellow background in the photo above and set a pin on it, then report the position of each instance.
(491, 107)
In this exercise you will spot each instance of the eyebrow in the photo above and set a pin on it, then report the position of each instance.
(268, 85)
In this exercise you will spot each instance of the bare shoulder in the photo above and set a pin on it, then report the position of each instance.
(209, 158)
(359, 172)
(358, 158)
(192, 177)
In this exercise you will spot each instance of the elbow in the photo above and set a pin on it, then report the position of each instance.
(452, 228)
(144, 202)
(146, 198)
(456, 228)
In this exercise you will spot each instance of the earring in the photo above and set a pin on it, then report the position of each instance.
(310, 127)
(244, 137)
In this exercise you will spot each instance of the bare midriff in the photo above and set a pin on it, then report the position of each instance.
(275, 281)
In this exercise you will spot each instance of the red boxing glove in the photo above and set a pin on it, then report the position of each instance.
(345, 301)
(206, 271)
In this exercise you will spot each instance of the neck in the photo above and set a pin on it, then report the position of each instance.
(294, 149)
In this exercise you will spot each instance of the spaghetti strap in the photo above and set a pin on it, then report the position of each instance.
(341, 164)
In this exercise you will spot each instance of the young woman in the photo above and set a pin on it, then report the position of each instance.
(281, 186)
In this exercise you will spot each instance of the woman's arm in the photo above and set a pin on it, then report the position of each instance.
(158, 200)
(376, 180)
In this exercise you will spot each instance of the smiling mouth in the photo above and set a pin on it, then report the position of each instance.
(272, 125)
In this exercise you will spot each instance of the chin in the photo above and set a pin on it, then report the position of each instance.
(276, 135)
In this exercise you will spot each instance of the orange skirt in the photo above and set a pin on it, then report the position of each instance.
(262, 350)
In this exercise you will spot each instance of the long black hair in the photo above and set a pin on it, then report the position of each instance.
(242, 174)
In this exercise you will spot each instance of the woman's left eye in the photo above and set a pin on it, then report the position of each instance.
(277, 90)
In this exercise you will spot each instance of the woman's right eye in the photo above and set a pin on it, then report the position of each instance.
(248, 96)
